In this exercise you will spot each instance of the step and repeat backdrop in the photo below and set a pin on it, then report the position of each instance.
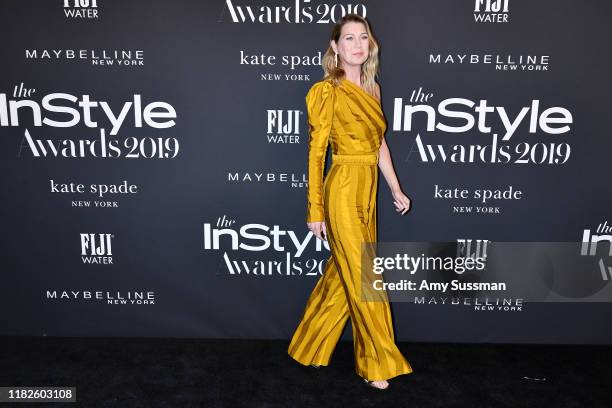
(154, 164)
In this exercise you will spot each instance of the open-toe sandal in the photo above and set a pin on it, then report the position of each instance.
(371, 384)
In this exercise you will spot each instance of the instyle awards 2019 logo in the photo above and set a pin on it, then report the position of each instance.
(458, 116)
(258, 250)
(589, 247)
(295, 12)
(64, 110)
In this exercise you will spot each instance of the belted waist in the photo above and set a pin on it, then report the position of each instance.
(362, 159)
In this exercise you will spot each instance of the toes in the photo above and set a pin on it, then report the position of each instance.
(381, 384)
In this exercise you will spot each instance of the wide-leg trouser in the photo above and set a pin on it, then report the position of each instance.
(350, 216)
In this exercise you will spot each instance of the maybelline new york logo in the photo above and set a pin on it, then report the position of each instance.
(506, 62)
(296, 12)
(107, 58)
(293, 180)
(589, 248)
(462, 116)
(110, 297)
(63, 110)
(475, 249)
(247, 249)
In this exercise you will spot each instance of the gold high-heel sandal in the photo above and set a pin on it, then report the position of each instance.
(371, 384)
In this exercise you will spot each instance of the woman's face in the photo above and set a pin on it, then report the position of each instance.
(353, 45)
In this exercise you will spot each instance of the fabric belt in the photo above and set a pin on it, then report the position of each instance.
(367, 159)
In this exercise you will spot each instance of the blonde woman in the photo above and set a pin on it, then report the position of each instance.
(344, 110)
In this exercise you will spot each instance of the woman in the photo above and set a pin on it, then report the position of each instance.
(344, 110)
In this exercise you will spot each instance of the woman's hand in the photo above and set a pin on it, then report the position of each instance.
(318, 228)
(402, 203)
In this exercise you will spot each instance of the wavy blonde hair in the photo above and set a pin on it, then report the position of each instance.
(369, 69)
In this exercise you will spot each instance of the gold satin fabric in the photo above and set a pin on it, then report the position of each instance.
(352, 121)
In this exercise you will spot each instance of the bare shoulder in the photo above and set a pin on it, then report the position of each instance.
(377, 90)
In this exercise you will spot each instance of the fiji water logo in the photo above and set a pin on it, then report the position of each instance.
(283, 126)
(97, 248)
(491, 11)
(84, 9)
(472, 248)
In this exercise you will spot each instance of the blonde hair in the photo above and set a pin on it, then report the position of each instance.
(369, 69)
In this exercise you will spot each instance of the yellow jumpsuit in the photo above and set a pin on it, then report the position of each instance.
(352, 121)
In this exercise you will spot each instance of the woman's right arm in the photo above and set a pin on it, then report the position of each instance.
(320, 106)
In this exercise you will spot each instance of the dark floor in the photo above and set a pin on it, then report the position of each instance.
(130, 372)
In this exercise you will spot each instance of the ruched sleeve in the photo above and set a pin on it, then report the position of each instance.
(320, 105)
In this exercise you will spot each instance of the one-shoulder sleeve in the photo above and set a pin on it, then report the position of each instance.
(320, 105)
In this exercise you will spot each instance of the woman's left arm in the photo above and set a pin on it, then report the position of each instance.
(402, 203)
